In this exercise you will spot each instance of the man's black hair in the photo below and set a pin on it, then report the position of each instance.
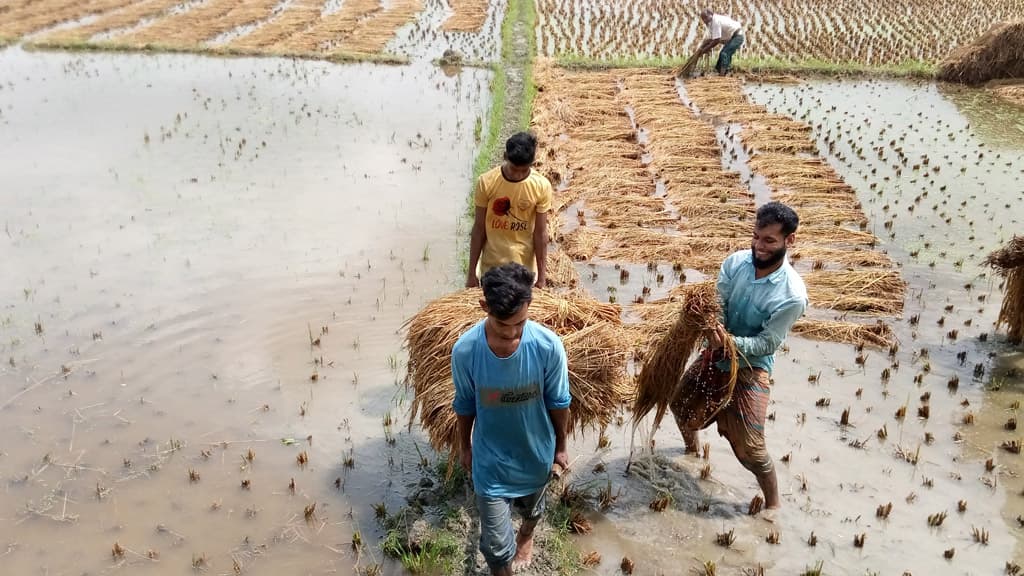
(506, 289)
(778, 213)
(521, 149)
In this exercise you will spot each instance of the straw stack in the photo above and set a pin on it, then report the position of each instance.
(667, 353)
(1008, 261)
(591, 331)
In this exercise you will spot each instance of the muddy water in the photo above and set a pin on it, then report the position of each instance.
(835, 477)
(176, 231)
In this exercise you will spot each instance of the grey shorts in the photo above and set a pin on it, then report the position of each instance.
(497, 539)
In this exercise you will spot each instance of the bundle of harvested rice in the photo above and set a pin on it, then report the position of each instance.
(998, 53)
(591, 331)
(666, 357)
(1013, 94)
(561, 271)
(689, 66)
(1009, 262)
(879, 334)
(870, 291)
(582, 243)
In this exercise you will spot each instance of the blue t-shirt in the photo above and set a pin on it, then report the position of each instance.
(758, 312)
(513, 437)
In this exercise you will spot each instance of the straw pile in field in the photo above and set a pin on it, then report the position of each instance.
(467, 16)
(582, 243)
(1009, 262)
(879, 334)
(1013, 94)
(868, 291)
(667, 353)
(998, 53)
(591, 331)
(560, 269)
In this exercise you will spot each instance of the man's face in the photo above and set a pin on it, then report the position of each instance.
(517, 173)
(769, 245)
(509, 329)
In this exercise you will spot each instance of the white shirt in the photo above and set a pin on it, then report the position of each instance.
(721, 26)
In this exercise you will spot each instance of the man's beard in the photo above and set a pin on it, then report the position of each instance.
(772, 260)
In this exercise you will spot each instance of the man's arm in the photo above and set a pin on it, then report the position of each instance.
(772, 333)
(560, 421)
(540, 248)
(557, 400)
(708, 44)
(465, 447)
(464, 405)
(477, 238)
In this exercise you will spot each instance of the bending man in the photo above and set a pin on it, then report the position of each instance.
(724, 31)
(512, 402)
(761, 296)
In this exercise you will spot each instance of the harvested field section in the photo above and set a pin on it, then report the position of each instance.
(45, 13)
(373, 33)
(834, 250)
(467, 16)
(123, 18)
(191, 28)
(844, 31)
(331, 29)
(713, 204)
(297, 16)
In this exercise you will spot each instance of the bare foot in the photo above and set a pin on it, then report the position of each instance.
(524, 553)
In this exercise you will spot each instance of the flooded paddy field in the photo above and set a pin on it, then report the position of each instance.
(850, 31)
(915, 470)
(207, 265)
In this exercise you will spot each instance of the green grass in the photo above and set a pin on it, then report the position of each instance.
(4, 41)
(337, 57)
(436, 551)
(907, 69)
(559, 545)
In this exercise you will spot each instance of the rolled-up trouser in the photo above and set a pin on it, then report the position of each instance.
(725, 55)
(742, 420)
(497, 539)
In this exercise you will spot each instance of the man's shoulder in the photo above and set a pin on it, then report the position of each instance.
(538, 181)
(543, 337)
(490, 177)
(794, 281)
(466, 344)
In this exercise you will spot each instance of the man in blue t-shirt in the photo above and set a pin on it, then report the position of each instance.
(512, 401)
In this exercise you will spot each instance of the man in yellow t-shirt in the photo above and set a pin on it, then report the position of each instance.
(512, 203)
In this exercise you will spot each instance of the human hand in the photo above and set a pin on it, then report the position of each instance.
(472, 281)
(542, 282)
(717, 336)
(561, 463)
(466, 459)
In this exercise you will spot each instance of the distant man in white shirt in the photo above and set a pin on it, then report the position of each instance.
(724, 31)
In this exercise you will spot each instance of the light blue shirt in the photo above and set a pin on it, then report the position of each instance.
(513, 437)
(758, 312)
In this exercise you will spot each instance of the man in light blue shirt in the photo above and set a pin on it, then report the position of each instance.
(512, 402)
(761, 296)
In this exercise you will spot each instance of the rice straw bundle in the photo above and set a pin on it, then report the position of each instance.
(1009, 262)
(582, 243)
(689, 66)
(666, 357)
(879, 334)
(560, 270)
(591, 331)
(998, 53)
(869, 291)
(845, 257)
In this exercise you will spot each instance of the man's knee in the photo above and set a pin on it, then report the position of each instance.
(756, 459)
(497, 541)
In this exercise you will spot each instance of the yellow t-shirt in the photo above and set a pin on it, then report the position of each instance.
(512, 209)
